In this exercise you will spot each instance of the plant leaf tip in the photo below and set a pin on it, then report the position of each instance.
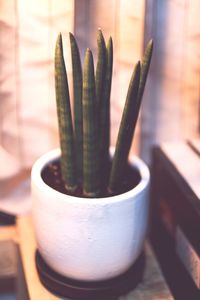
(151, 41)
(110, 40)
(88, 51)
(59, 37)
(138, 63)
(150, 44)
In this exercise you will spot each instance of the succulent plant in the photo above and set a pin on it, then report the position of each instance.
(85, 136)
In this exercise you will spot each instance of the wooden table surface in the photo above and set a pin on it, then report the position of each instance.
(153, 286)
(7, 252)
(27, 247)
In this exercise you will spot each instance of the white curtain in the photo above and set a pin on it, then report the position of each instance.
(28, 125)
(28, 31)
(171, 104)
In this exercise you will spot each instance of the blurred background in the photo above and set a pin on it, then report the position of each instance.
(28, 31)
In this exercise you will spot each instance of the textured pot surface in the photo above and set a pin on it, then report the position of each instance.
(89, 239)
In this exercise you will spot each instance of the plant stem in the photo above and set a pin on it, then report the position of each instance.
(78, 110)
(104, 127)
(126, 132)
(144, 70)
(64, 120)
(101, 68)
(91, 186)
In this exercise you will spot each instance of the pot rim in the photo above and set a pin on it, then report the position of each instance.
(41, 162)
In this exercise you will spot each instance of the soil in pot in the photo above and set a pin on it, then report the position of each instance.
(51, 174)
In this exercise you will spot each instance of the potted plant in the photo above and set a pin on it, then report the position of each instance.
(90, 206)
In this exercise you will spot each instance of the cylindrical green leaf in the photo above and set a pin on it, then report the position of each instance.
(104, 109)
(78, 110)
(101, 67)
(126, 132)
(64, 119)
(90, 148)
(145, 69)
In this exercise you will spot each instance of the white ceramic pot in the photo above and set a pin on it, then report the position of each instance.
(89, 239)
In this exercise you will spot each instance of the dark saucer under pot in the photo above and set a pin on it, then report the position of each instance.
(81, 290)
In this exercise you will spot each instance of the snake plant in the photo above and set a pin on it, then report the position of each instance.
(85, 132)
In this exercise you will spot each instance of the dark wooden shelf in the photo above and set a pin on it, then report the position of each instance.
(176, 216)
